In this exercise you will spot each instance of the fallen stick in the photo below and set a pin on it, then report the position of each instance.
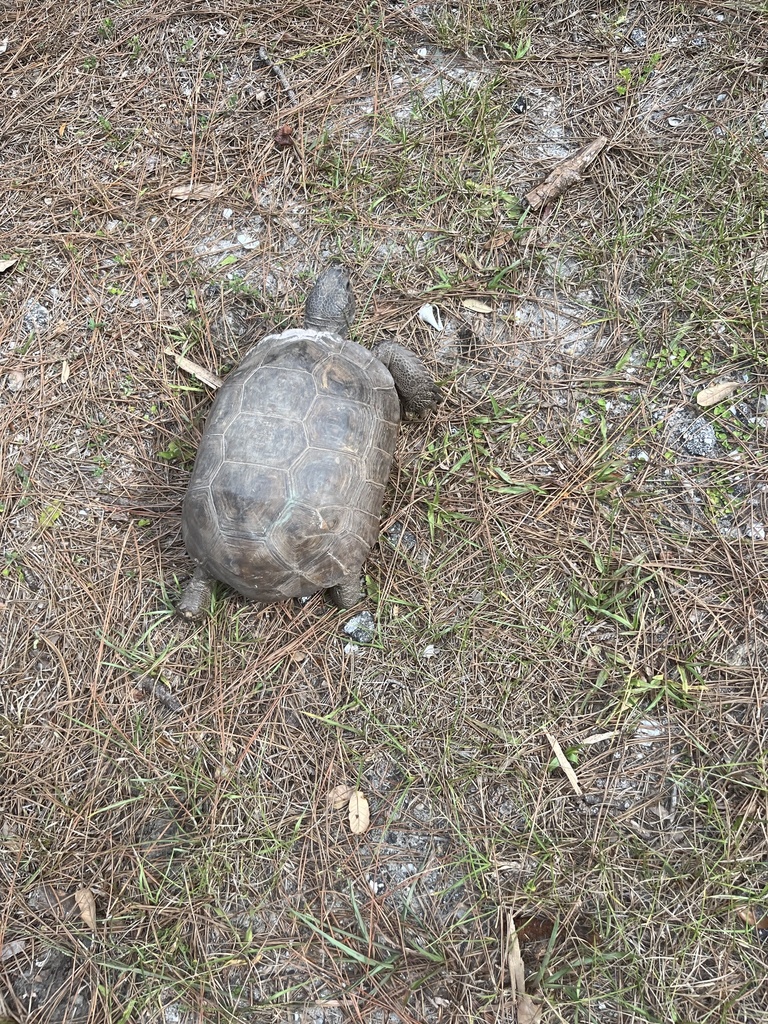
(279, 74)
(204, 376)
(154, 688)
(564, 763)
(567, 173)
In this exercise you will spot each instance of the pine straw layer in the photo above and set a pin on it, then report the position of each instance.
(557, 560)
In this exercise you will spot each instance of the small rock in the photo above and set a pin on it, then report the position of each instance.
(638, 37)
(226, 214)
(361, 628)
(355, 648)
(36, 317)
(430, 651)
(700, 438)
(693, 435)
(755, 530)
(520, 105)
(649, 729)
(698, 43)
(399, 537)
(14, 381)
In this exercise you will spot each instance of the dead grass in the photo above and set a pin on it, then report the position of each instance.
(560, 560)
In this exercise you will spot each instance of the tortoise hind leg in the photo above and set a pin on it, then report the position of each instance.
(418, 392)
(195, 596)
(347, 592)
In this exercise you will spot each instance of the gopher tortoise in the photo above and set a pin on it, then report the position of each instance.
(286, 492)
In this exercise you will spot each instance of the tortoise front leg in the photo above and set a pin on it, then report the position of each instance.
(196, 596)
(348, 591)
(418, 392)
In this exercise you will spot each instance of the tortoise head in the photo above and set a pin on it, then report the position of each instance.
(331, 303)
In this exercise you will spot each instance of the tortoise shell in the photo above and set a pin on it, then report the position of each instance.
(286, 492)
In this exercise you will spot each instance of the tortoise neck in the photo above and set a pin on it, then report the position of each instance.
(338, 326)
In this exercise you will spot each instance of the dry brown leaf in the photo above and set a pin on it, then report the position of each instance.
(86, 904)
(359, 813)
(205, 376)
(12, 948)
(477, 306)
(340, 796)
(284, 136)
(528, 1012)
(6, 262)
(599, 737)
(65, 371)
(749, 916)
(716, 393)
(199, 191)
(498, 241)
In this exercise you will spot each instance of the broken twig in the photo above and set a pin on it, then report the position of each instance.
(564, 763)
(154, 688)
(567, 173)
(279, 74)
(204, 376)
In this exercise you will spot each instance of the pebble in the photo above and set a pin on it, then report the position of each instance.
(15, 380)
(361, 628)
(691, 434)
(36, 317)
(638, 37)
(700, 438)
(400, 537)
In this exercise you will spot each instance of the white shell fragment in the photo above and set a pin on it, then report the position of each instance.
(247, 240)
(14, 381)
(430, 314)
(716, 393)
(476, 306)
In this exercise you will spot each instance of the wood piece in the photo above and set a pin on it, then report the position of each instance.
(279, 74)
(567, 173)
